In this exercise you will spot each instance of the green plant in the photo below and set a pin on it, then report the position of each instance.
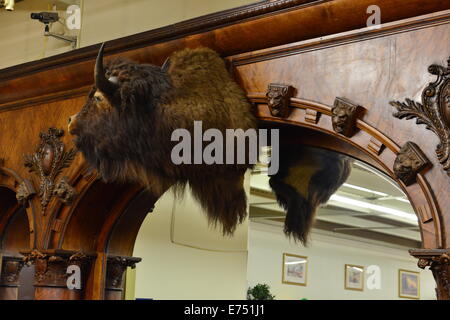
(260, 292)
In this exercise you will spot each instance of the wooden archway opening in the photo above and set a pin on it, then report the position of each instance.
(369, 145)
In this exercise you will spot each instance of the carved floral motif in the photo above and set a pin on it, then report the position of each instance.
(434, 111)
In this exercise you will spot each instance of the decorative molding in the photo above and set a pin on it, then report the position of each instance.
(434, 111)
(312, 116)
(424, 214)
(278, 99)
(47, 163)
(10, 271)
(438, 261)
(344, 114)
(116, 268)
(409, 162)
(375, 146)
(51, 268)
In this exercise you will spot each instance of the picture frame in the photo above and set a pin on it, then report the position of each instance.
(354, 277)
(408, 284)
(295, 269)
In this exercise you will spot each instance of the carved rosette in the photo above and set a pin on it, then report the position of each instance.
(434, 111)
(409, 162)
(10, 271)
(48, 161)
(344, 114)
(439, 264)
(116, 268)
(51, 269)
(278, 99)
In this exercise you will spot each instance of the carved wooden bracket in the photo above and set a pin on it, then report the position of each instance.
(439, 262)
(409, 162)
(25, 191)
(434, 111)
(10, 270)
(51, 268)
(279, 96)
(344, 116)
(48, 161)
(115, 270)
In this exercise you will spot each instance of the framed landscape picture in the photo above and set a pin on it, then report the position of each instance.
(294, 269)
(408, 284)
(354, 277)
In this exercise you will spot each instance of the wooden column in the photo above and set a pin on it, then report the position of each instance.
(116, 267)
(9, 277)
(50, 280)
(438, 260)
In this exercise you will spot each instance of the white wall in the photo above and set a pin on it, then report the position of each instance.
(327, 256)
(192, 261)
(22, 40)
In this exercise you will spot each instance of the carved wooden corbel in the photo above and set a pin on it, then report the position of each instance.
(48, 161)
(439, 262)
(344, 114)
(434, 111)
(409, 162)
(116, 268)
(10, 271)
(279, 96)
(25, 191)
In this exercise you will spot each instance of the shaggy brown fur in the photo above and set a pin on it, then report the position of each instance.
(307, 178)
(126, 133)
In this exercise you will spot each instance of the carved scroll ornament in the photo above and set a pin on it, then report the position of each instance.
(409, 162)
(279, 96)
(434, 111)
(48, 161)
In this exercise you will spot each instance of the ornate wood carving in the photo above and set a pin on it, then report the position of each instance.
(439, 262)
(25, 191)
(48, 161)
(51, 269)
(64, 191)
(434, 111)
(279, 96)
(10, 271)
(409, 162)
(344, 115)
(115, 270)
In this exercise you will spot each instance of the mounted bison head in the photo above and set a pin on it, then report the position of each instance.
(124, 130)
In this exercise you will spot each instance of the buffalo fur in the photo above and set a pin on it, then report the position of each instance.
(126, 135)
(124, 131)
(307, 178)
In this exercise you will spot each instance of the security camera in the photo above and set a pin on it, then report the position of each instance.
(45, 17)
(50, 17)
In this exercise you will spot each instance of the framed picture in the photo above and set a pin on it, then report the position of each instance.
(408, 284)
(294, 269)
(354, 277)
